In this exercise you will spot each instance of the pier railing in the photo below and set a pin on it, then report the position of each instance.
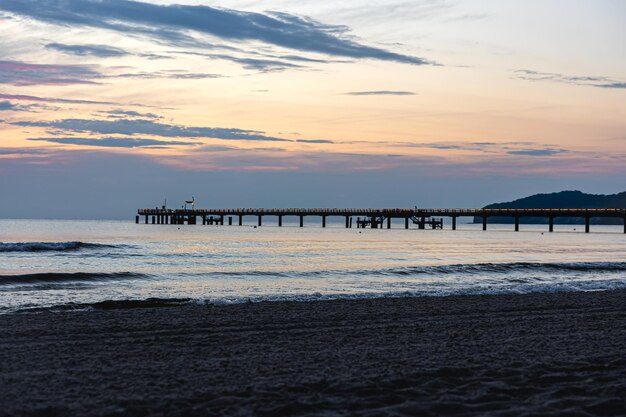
(397, 212)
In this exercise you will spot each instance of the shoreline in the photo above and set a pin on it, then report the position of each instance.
(521, 354)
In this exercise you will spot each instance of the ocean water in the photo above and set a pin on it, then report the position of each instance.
(77, 264)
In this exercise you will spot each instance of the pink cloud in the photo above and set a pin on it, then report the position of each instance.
(21, 73)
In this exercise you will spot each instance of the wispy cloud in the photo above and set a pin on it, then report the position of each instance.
(101, 51)
(469, 17)
(521, 148)
(23, 151)
(314, 141)
(22, 73)
(9, 106)
(263, 64)
(538, 152)
(257, 64)
(60, 100)
(211, 158)
(21, 97)
(121, 113)
(177, 24)
(593, 81)
(171, 74)
(154, 57)
(380, 93)
(612, 85)
(132, 127)
(260, 61)
(113, 142)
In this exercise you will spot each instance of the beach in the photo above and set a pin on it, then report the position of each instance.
(500, 355)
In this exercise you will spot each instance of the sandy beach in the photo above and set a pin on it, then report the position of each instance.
(518, 355)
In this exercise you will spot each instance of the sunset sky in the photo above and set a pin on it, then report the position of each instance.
(107, 106)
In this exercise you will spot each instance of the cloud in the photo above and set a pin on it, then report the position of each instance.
(23, 152)
(112, 142)
(490, 148)
(21, 73)
(380, 93)
(20, 97)
(239, 159)
(263, 65)
(121, 113)
(314, 141)
(174, 23)
(152, 56)
(592, 81)
(467, 17)
(537, 152)
(132, 127)
(612, 85)
(171, 74)
(101, 51)
(266, 64)
(7, 106)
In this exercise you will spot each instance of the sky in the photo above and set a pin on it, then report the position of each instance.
(108, 106)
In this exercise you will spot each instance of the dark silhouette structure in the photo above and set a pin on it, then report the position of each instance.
(376, 218)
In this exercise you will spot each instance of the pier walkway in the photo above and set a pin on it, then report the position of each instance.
(372, 217)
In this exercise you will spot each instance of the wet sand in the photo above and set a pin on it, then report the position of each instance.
(523, 355)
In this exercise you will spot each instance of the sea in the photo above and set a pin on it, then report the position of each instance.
(63, 264)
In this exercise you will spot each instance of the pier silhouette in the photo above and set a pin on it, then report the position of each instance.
(371, 217)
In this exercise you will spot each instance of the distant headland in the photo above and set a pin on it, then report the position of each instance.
(563, 199)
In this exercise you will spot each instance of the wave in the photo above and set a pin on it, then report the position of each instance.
(431, 270)
(146, 303)
(123, 304)
(64, 277)
(504, 268)
(504, 290)
(50, 246)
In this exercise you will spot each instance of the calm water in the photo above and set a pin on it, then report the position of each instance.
(82, 262)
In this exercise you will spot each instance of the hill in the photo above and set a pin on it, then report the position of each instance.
(563, 199)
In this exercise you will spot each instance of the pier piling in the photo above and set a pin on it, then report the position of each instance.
(587, 224)
(484, 222)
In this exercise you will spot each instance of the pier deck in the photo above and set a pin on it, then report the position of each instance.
(373, 217)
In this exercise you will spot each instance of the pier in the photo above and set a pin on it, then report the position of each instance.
(376, 218)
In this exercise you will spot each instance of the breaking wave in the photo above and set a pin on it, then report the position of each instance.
(155, 302)
(436, 270)
(503, 268)
(50, 246)
(63, 277)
